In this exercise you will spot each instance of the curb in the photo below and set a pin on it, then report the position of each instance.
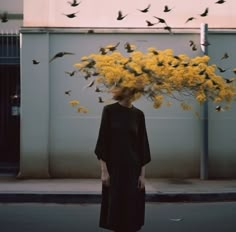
(73, 198)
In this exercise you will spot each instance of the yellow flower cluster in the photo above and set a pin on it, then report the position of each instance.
(157, 73)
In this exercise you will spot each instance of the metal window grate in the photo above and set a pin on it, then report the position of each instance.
(9, 48)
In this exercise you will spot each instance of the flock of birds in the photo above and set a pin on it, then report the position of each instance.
(121, 16)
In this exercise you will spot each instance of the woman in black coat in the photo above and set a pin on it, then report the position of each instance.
(123, 151)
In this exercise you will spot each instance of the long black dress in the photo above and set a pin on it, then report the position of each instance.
(123, 144)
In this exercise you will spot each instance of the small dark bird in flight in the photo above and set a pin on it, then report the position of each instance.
(225, 56)
(150, 24)
(100, 100)
(128, 47)
(35, 62)
(221, 69)
(167, 9)
(112, 48)
(161, 20)
(168, 28)
(103, 51)
(194, 47)
(120, 15)
(206, 43)
(4, 17)
(74, 3)
(190, 19)
(59, 55)
(220, 2)
(228, 81)
(71, 73)
(191, 43)
(219, 108)
(146, 9)
(68, 92)
(71, 16)
(205, 13)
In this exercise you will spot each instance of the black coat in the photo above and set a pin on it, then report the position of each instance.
(123, 144)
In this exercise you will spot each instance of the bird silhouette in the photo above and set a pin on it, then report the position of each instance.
(35, 62)
(112, 48)
(146, 9)
(120, 15)
(150, 24)
(74, 3)
(68, 92)
(4, 17)
(59, 55)
(128, 47)
(168, 28)
(221, 69)
(191, 43)
(194, 47)
(167, 9)
(190, 19)
(100, 100)
(228, 81)
(160, 20)
(71, 16)
(220, 2)
(219, 108)
(225, 56)
(71, 73)
(103, 51)
(205, 43)
(205, 13)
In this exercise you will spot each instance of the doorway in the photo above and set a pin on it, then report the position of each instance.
(9, 103)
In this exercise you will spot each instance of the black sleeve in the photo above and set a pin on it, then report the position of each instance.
(101, 149)
(144, 144)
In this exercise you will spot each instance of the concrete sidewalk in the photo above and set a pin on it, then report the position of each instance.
(89, 190)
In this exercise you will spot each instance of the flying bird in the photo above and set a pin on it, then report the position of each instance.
(74, 3)
(168, 28)
(120, 15)
(191, 43)
(189, 19)
(228, 81)
(194, 47)
(71, 16)
(129, 48)
(59, 55)
(167, 9)
(68, 92)
(161, 20)
(205, 13)
(146, 9)
(150, 24)
(100, 100)
(225, 56)
(219, 108)
(103, 51)
(35, 62)
(4, 17)
(71, 73)
(205, 43)
(220, 2)
(221, 69)
(112, 48)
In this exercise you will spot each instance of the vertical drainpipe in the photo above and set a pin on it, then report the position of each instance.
(204, 140)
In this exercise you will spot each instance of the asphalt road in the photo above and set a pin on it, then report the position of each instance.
(161, 217)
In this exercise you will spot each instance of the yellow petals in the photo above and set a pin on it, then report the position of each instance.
(82, 109)
(157, 73)
(74, 103)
